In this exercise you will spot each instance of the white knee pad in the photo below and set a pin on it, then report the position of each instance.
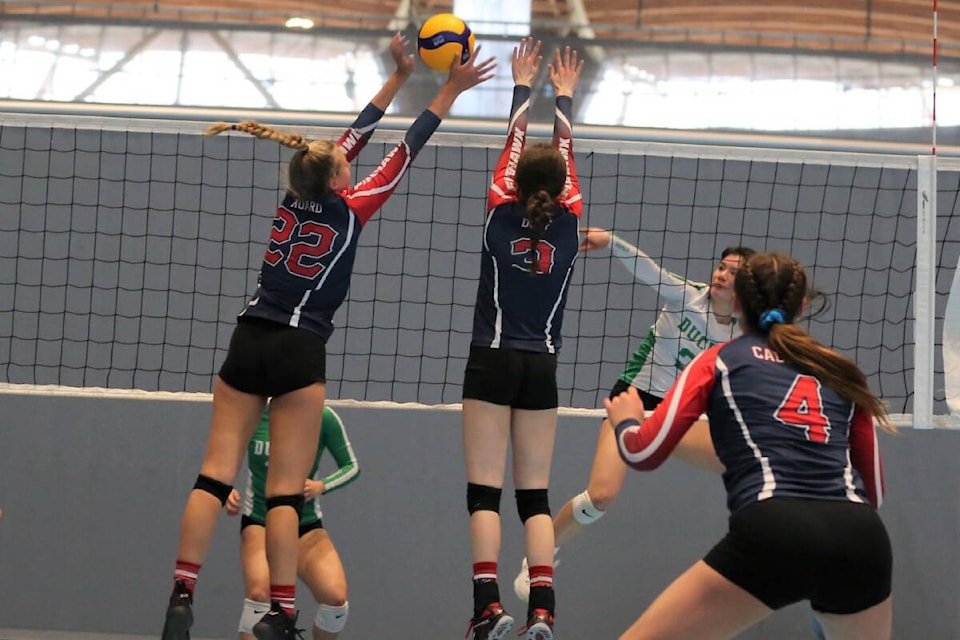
(332, 619)
(252, 612)
(583, 510)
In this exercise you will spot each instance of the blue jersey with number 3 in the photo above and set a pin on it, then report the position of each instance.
(522, 292)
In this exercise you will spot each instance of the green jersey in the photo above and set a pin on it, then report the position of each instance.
(333, 437)
(685, 325)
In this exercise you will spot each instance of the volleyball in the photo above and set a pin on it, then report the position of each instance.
(441, 38)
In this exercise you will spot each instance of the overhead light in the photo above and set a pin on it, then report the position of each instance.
(299, 23)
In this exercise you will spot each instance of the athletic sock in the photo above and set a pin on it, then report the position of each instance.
(285, 596)
(541, 589)
(187, 572)
(485, 588)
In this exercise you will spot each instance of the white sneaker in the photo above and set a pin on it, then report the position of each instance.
(521, 584)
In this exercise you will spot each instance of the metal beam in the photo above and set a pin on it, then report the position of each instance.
(235, 59)
(579, 17)
(121, 63)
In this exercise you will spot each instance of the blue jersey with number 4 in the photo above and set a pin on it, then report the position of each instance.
(777, 429)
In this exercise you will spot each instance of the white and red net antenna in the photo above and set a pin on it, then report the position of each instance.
(933, 124)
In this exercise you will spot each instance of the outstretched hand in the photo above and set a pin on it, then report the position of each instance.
(565, 72)
(624, 406)
(526, 61)
(595, 238)
(401, 56)
(470, 73)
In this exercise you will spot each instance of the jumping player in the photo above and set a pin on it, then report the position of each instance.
(694, 316)
(319, 565)
(530, 244)
(792, 423)
(278, 349)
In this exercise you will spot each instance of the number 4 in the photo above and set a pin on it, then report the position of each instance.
(803, 407)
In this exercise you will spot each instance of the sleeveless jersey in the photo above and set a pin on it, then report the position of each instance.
(684, 328)
(777, 430)
(519, 308)
(333, 438)
(309, 259)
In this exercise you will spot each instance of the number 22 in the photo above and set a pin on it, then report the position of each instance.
(803, 407)
(315, 242)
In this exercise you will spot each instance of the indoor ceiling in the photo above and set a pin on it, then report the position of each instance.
(865, 27)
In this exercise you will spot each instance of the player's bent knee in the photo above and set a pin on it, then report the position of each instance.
(332, 619)
(294, 501)
(219, 490)
(585, 511)
(532, 502)
(252, 612)
(481, 497)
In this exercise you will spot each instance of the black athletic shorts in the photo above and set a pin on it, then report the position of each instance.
(270, 359)
(650, 401)
(246, 521)
(512, 378)
(834, 553)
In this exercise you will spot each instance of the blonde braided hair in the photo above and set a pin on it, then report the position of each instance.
(311, 167)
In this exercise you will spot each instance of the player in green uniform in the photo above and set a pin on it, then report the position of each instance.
(318, 563)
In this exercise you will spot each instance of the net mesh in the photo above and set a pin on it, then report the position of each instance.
(125, 256)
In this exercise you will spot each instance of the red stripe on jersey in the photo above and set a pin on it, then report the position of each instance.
(503, 189)
(370, 193)
(647, 446)
(571, 197)
(865, 455)
(351, 143)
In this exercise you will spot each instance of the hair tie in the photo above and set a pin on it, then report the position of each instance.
(771, 317)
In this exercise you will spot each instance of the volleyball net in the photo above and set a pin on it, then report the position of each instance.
(126, 252)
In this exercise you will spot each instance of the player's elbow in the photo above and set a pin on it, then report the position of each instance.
(641, 462)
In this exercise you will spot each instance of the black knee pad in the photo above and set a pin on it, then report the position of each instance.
(295, 501)
(532, 502)
(481, 497)
(217, 489)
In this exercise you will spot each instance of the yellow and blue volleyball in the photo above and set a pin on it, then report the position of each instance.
(443, 37)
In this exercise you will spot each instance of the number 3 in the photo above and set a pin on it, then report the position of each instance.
(803, 407)
(544, 253)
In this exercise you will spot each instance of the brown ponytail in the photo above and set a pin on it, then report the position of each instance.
(771, 290)
(541, 177)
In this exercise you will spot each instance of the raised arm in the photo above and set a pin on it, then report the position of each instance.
(565, 75)
(525, 65)
(404, 68)
(371, 192)
(356, 137)
(644, 269)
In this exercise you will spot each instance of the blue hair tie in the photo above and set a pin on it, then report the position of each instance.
(771, 317)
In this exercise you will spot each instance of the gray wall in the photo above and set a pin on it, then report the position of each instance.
(92, 491)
